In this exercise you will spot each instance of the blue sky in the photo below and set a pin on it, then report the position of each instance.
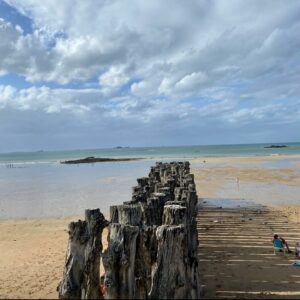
(93, 74)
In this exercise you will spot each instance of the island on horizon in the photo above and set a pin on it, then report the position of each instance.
(92, 159)
(276, 146)
(120, 147)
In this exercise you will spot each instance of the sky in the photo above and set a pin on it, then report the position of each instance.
(94, 74)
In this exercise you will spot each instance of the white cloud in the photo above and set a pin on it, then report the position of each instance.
(237, 38)
(113, 79)
(50, 100)
(139, 87)
(6, 94)
(191, 81)
(221, 62)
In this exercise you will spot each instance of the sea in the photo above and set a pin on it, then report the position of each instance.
(37, 185)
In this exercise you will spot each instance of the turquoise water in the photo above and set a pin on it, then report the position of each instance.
(152, 152)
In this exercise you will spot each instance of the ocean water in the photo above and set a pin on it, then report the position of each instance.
(36, 185)
(151, 152)
(55, 190)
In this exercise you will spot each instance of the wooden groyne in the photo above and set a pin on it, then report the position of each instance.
(152, 243)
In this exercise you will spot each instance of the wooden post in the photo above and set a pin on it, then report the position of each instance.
(169, 278)
(119, 262)
(152, 246)
(81, 274)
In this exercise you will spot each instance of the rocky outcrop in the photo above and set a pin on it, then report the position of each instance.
(276, 146)
(93, 159)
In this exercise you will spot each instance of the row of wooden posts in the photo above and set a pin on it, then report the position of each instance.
(152, 243)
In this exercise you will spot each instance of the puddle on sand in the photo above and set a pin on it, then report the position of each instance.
(281, 163)
(227, 203)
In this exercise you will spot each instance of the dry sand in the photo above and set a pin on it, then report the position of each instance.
(33, 251)
(32, 256)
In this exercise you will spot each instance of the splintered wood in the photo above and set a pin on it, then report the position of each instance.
(152, 244)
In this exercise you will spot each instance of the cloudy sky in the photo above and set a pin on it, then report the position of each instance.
(93, 74)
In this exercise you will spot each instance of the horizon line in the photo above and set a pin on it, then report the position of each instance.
(139, 147)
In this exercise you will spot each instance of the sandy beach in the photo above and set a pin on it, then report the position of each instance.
(236, 256)
(94, 93)
(235, 249)
(32, 256)
(33, 250)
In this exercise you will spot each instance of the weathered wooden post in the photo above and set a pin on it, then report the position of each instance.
(169, 280)
(152, 246)
(81, 274)
(119, 262)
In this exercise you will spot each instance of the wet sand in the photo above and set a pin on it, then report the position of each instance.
(214, 174)
(237, 258)
(235, 249)
(33, 250)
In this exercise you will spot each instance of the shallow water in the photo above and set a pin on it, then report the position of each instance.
(262, 193)
(229, 203)
(38, 190)
(55, 190)
(281, 163)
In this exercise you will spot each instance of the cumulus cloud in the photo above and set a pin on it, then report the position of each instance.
(113, 79)
(50, 100)
(22, 54)
(221, 62)
(199, 37)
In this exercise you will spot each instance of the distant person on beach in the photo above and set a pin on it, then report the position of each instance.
(297, 250)
(283, 241)
(238, 183)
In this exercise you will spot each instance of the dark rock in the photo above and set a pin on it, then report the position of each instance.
(92, 159)
(276, 146)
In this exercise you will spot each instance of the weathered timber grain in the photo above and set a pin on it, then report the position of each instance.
(152, 245)
(81, 273)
